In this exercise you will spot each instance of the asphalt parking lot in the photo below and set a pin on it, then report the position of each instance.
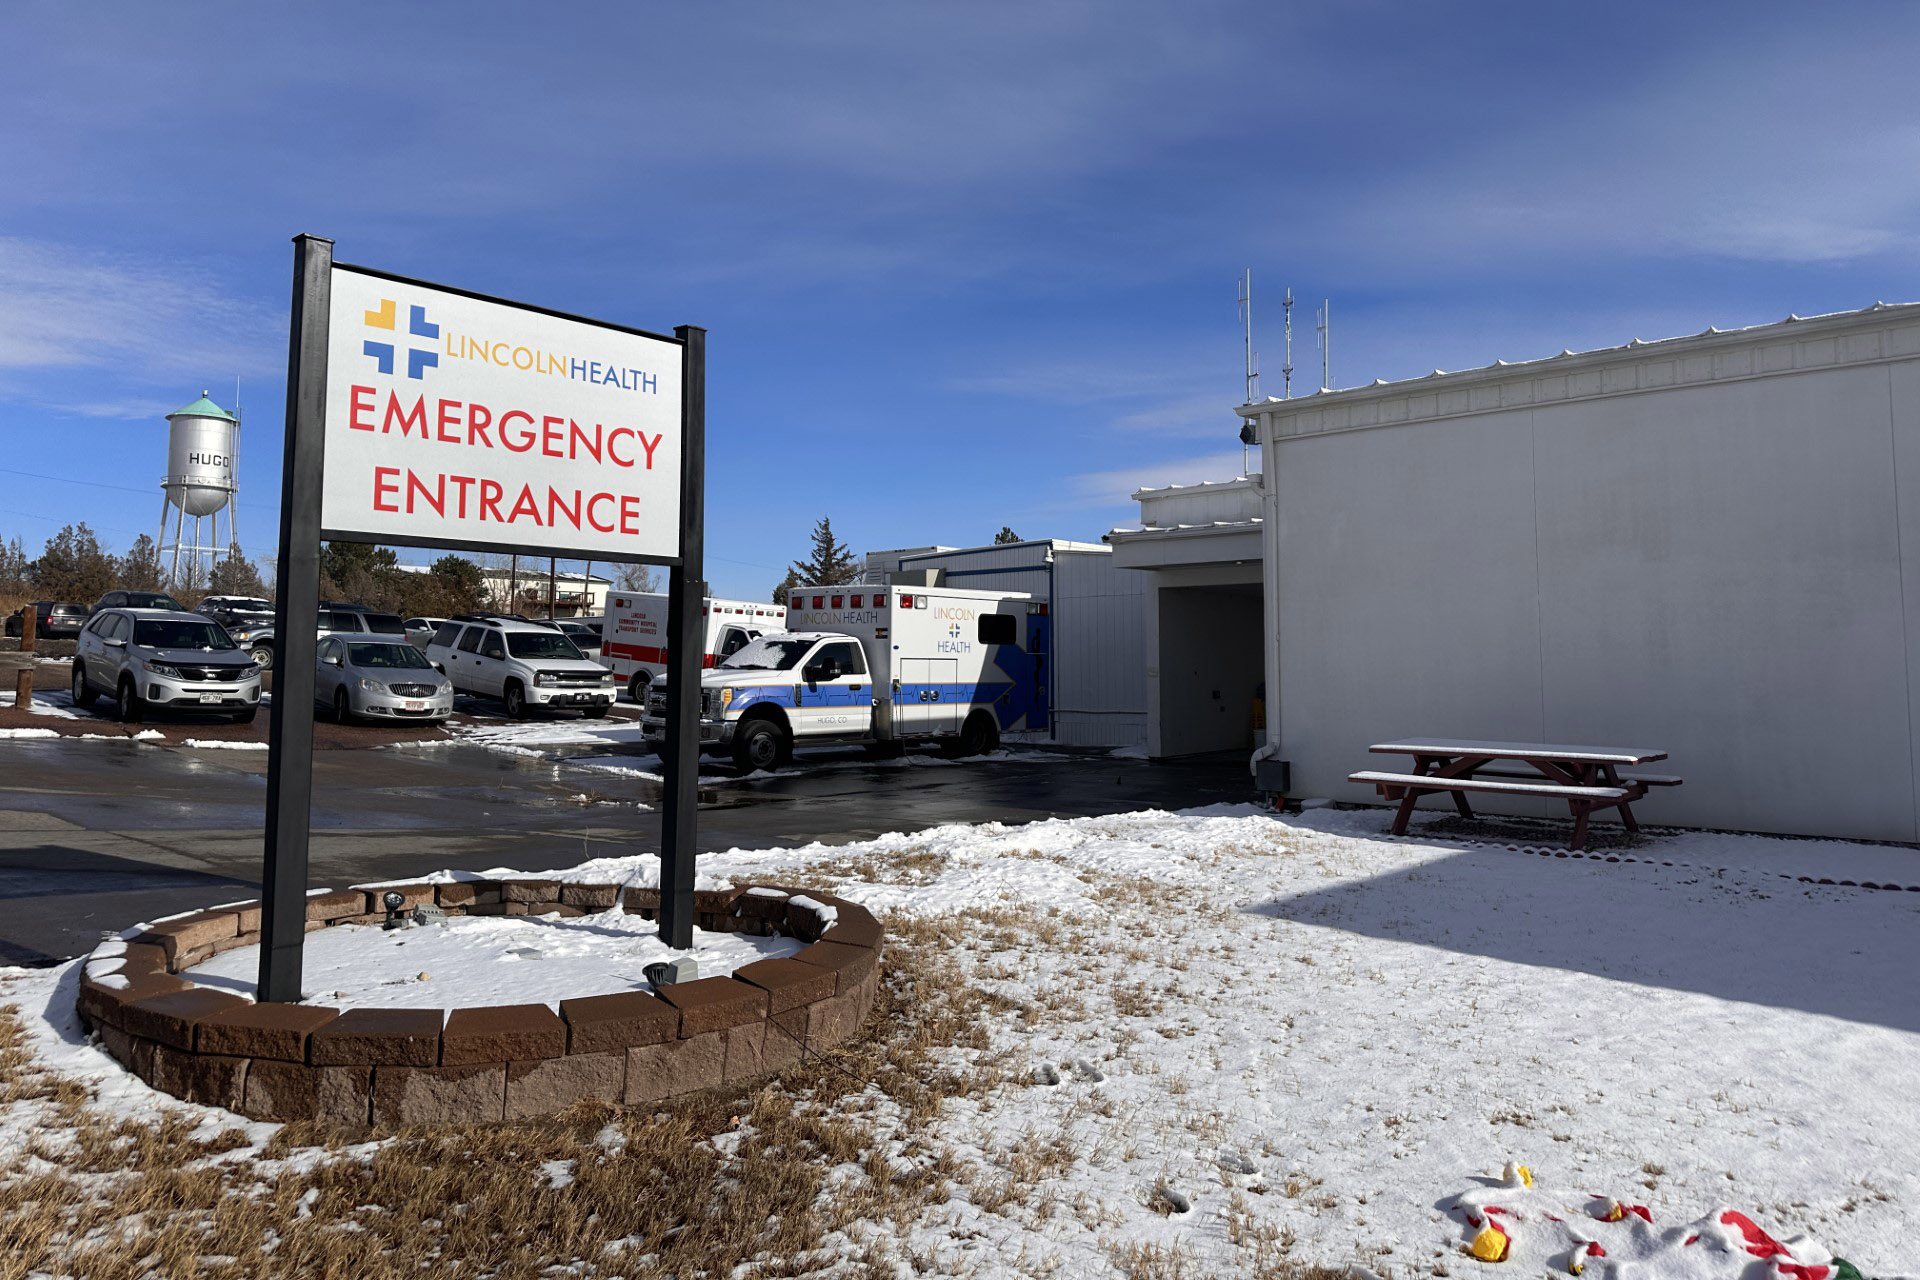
(97, 834)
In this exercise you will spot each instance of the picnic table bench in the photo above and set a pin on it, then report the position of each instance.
(1587, 778)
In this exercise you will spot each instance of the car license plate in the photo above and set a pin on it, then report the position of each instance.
(416, 704)
(210, 697)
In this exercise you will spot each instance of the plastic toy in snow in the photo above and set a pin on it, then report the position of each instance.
(1509, 1219)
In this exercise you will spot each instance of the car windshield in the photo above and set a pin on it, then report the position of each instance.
(387, 655)
(540, 644)
(769, 653)
(152, 600)
(169, 634)
(244, 604)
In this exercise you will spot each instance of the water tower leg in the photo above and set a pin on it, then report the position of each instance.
(160, 542)
(179, 528)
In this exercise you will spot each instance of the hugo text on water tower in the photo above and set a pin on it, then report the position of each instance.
(455, 420)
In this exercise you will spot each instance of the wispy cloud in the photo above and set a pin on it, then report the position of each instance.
(1116, 487)
(62, 308)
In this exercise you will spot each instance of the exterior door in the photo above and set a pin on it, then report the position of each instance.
(930, 700)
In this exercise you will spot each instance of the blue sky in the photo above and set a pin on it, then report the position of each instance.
(961, 265)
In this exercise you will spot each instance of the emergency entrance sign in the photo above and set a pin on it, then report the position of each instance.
(453, 420)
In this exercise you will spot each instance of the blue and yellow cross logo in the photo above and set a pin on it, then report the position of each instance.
(419, 359)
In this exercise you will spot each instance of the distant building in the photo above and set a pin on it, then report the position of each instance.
(575, 595)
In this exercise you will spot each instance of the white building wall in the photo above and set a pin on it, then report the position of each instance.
(1100, 686)
(1711, 547)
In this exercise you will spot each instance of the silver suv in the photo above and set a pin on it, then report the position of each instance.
(523, 664)
(163, 658)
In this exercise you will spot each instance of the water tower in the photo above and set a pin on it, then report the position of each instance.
(202, 440)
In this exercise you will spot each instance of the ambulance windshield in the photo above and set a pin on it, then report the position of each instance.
(769, 653)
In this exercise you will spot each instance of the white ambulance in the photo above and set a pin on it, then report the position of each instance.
(879, 665)
(633, 634)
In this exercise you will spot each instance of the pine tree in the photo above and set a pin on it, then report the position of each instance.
(786, 585)
(13, 569)
(73, 567)
(1005, 536)
(140, 568)
(234, 576)
(830, 562)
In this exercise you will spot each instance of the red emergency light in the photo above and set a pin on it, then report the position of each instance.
(906, 601)
(856, 601)
(819, 602)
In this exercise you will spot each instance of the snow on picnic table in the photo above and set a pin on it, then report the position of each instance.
(1304, 1029)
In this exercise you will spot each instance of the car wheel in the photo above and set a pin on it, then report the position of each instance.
(245, 717)
(979, 735)
(132, 710)
(262, 655)
(83, 694)
(759, 745)
(637, 687)
(516, 701)
(342, 710)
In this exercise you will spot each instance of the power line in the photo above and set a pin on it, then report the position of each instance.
(118, 488)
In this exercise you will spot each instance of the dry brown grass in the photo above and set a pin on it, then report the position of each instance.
(766, 1175)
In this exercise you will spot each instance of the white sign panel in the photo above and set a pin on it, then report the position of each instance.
(456, 420)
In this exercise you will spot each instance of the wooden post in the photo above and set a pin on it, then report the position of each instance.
(23, 680)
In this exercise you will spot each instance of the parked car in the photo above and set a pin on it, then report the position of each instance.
(137, 600)
(420, 630)
(232, 611)
(380, 679)
(52, 619)
(153, 658)
(523, 664)
(585, 634)
(261, 644)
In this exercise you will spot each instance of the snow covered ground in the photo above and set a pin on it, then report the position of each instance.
(480, 960)
(1221, 1032)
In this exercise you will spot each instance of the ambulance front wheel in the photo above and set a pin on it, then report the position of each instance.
(760, 744)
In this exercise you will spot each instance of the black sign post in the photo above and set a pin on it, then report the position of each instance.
(296, 610)
(296, 606)
(686, 631)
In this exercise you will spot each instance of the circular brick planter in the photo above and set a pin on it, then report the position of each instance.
(391, 1067)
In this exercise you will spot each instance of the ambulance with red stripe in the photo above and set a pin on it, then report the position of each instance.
(882, 666)
(633, 634)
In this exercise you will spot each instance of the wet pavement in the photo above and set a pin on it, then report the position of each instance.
(97, 835)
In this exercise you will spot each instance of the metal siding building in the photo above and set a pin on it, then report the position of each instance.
(1698, 545)
(1098, 670)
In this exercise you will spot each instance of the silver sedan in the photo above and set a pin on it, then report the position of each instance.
(380, 680)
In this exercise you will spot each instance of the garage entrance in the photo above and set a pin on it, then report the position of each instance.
(1212, 647)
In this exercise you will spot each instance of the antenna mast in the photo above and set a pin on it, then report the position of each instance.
(1253, 358)
(1325, 326)
(1286, 370)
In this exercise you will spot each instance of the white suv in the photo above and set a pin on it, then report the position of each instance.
(523, 664)
(163, 658)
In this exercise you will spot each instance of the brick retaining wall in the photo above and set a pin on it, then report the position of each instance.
(391, 1067)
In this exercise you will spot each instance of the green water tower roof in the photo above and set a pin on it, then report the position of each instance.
(203, 408)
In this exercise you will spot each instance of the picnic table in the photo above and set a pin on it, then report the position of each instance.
(1587, 778)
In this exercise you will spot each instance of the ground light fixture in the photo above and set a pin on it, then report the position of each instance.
(665, 973)
(394, 902)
